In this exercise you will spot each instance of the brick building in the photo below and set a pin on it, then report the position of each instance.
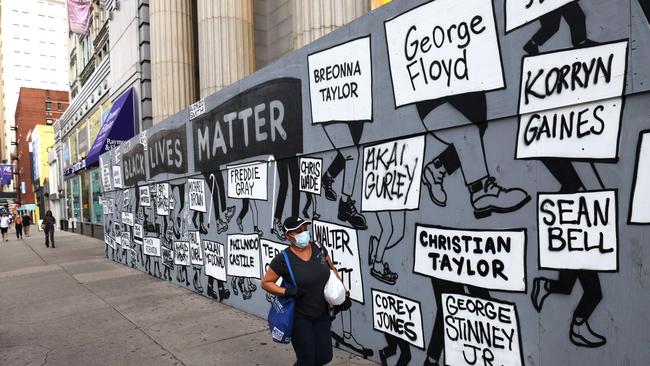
(34, 107)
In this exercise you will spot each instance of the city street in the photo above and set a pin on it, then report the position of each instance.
(71, 306)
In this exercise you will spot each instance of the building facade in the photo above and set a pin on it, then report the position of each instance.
(464, 165)
(41, 143)
(32, 35)
(34, 107)
(167, 55)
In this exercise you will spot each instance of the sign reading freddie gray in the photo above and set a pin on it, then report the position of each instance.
(168, 152)
(570, 103)
(263, 120)
(443, 48)
(485, 258)
(578, 231)
(133, 166)
(340, 82)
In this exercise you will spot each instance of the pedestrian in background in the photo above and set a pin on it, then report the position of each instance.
(48, 225)
(18, 220)
(4, 226)
(27, 221)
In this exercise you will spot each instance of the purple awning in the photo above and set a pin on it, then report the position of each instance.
(117, 128)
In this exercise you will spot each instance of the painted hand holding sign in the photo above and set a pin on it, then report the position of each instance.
(485, 258)
(578, 231)
(433, 56)
(570, 103)
(340, 82)
(392, 173)
(248, 181)
(343, 248)
(480, 332)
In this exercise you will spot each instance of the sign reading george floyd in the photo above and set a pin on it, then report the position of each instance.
(168, 152)
(570, 103)
(263, 120)
(443, 48)
(492, 259)
(578, 231)
(133, 166)
(397, 316)
(340, 82)
(480, 332)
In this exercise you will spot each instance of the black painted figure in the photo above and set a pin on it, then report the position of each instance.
(246, 205)
(223, 212)
(395, 343)
(580, 332)
(392, 226)
(437, 342)
(288, 171)
(550, 24)
(346, 161)
(645, 6)
(465, 151)
(222, 292)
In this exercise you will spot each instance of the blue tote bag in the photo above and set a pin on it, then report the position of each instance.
(281, 313)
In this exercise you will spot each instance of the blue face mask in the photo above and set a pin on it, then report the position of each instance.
(302, 239)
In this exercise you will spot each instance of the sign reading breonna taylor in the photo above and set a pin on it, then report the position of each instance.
(570, 103)
(340, 82)
(443, 48)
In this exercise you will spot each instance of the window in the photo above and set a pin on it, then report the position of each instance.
(76, 198)
(85, 197)
(96, 186)
(48, 106)
(59, 106)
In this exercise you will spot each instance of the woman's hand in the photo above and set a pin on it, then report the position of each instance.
(269, 283)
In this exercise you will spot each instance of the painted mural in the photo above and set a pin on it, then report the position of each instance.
(465, 164)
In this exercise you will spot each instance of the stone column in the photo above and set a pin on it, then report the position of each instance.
(315, 18)
(225, 42)
(173, 69)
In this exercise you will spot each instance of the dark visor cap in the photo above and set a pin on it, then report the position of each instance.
(293, 222)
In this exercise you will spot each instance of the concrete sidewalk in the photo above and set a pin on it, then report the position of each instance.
(71, 306)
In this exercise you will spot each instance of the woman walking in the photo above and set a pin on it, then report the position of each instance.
(4, 226)
(48, 225)
(18, 221)
(311, 339)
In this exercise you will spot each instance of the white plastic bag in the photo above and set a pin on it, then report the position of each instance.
(334, 290)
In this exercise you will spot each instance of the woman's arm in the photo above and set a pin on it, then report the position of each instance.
(269, 283)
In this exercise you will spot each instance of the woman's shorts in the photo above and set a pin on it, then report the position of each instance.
(3, 230)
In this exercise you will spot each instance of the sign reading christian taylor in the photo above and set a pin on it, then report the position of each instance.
(266, 118)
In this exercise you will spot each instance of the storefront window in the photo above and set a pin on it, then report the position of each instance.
(76, 198)
(73, 148)
(68, 199)
(94, 123)
(82, 140)
(85, 196)
(96, 186)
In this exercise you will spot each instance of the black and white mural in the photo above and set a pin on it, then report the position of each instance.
(478, 171)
